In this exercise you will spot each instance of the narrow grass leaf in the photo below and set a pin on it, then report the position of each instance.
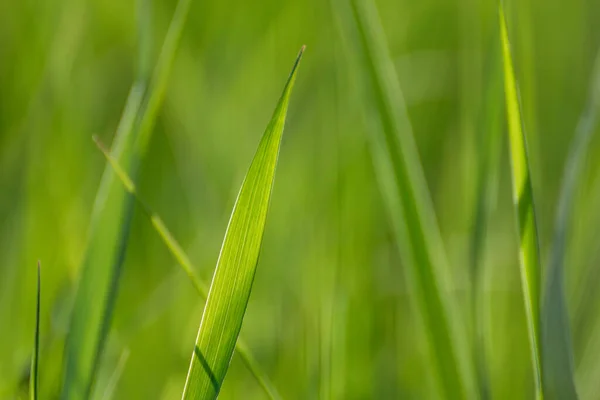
(402, 183)
(184, 262)
(489, 144)
(111, 217)
(557, 350)
(35, 359)
(116, 375)
(234, 274)
(524, 207)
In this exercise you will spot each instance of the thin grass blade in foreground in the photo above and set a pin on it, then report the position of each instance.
(34, 377)
(524, 207)
(557, 351)
(111, 216)
(184, 262)
(402, 183)
(234, 274)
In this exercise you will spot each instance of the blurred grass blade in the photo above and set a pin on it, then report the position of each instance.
(116, 375)
(99, 274)
(524, 207)
(489, 144)
(234, 274)
(158, 224)
(111, 217)
(185, 263)
(402, 183)
(557, 351)
(34, 377)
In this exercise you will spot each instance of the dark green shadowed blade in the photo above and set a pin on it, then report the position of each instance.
(524, 207)
(557, 350)
(34, 378)
(234, 274)
(111, 217)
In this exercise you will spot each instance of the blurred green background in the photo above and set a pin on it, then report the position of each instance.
(330, 315)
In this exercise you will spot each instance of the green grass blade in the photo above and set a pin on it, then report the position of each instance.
(111, 217)
(185, 263)
(116, 375)
(234, 274)
(157, 222)
(557, 351)
(402, 183)
(35, 359)
(524, 207)
(100, 269)
(489, 145)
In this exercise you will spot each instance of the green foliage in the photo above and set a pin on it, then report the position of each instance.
(390, 255)
(184, 262)
(232, 282)
(110, 225)
(522, 191)
(402, 182)
(489, 141)
(35, 359)
(557, 350)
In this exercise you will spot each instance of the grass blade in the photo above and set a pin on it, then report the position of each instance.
(523, 201)
(114, 379)
(111, 217)
(234, 274)
(34, 377)
(99, 272)
(402, 183)
(185, 263)
(557, 351)
(490, 144)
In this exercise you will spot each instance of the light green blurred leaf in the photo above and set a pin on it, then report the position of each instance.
(402, 182)
(110, 223)
(234, 274)
(524, 207)
(489, 144)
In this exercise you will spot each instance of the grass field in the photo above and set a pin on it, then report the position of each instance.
(427, 220)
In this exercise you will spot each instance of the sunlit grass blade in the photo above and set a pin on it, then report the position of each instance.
(232, 281)
(524, 207)
(34, 377)
(489, 144)
(557, 351)
(402, 183)
(111, 217)
(185, 263)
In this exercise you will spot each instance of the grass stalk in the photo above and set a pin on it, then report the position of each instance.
(523, 201)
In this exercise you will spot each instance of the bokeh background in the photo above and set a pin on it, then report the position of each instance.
(330, 315)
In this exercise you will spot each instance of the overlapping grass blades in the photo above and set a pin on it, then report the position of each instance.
(557, 351)
(185, 263)
(402, 182)
(110, 220)
(524, 207)
(232, 281)
(34, 378)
